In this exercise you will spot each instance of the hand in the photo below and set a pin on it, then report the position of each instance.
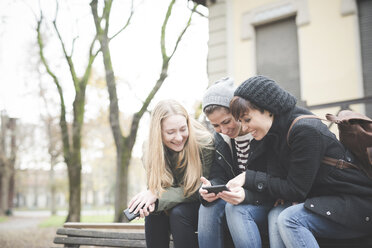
(143, 202)
(281, 202)
(237, 181)
(209, 197)
(235, 196)
(278, 202)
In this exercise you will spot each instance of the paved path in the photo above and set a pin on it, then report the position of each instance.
(23, 231)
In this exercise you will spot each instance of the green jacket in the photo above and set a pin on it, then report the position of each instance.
(174, 195)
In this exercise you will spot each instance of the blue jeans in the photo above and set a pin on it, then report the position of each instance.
(274, 235)
(212, 227)
(298, 228)
(247, 222)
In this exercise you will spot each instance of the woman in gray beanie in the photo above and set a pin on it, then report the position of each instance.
(318, 200)
(232, 146)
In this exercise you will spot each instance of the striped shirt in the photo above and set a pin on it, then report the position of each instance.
(242, 145)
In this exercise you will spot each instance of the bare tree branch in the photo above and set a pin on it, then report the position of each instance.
(127, 24)
(197, 12)
(63, 121)
(163, 28)
(184, 30)
(68, 57)
(73, 45)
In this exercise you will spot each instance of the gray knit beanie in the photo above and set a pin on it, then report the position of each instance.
(220, 93)
(267, 94)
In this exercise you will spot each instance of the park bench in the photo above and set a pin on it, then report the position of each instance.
(74, 234)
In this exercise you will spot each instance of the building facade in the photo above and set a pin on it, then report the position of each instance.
(321, 51)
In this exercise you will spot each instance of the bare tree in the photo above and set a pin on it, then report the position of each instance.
(71, 139)
(8, 151)
(53, 135)
(124, 144)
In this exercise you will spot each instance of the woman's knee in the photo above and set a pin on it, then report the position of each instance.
(230, 209)
(215, 210)
(289, 216)
(186, 213)
(238, 211)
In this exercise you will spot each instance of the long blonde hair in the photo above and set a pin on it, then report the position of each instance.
(159, 175)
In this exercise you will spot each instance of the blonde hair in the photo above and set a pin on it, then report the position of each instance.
(159, 175)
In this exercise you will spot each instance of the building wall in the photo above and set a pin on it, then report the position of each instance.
(328, 39)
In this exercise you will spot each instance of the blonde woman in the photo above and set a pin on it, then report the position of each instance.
(179, 152)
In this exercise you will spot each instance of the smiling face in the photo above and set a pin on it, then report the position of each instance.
(223, 122)
(256, 122)
(174, 132)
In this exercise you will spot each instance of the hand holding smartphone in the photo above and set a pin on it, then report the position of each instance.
(215, 188)
(130, 215)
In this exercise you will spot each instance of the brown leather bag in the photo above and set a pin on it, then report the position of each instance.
(355, 132)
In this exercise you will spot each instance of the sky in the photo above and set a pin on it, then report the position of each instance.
(135, 54)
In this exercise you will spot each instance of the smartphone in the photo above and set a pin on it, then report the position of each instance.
(130, 215)
(216, 188)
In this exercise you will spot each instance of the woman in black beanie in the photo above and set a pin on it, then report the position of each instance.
(318, 200)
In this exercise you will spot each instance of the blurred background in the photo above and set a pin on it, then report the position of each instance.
(78, 80)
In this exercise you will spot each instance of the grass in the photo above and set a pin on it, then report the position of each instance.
(3, 218)
(58, 221)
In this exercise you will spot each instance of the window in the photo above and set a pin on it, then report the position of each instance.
(277, 54)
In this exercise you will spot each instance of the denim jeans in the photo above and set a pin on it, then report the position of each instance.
(274, 235)
(181, 221)
(247, 222)
(298, 228)
(212, 227)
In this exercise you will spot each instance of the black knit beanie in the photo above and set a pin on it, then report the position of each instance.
(267, 94)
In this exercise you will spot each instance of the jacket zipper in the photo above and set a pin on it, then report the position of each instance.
(227, 163)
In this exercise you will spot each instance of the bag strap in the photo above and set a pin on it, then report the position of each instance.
(299, 118)
(339, 163)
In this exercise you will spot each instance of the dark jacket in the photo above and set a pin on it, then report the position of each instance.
(295, 171)
(224, 168)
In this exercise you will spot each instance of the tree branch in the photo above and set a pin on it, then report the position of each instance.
(96, 18)
(184, 30)
(63, 122)
(127, 24)
(163, 28)
(68, 58)
(197, 12)
(73, 45)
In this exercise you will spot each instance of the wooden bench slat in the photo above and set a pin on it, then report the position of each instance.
(100, 234)
(132, 226)
(100, 242)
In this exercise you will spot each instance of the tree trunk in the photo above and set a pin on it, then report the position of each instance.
(4, 191)
(7, 161)
(74, 175)
(53, 209)
(122, 182)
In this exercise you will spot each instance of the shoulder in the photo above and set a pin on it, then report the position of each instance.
(308, 129)
(222, 142)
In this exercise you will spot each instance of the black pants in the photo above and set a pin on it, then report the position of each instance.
(181, 221)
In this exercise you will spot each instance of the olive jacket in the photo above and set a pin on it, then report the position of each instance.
(175, 194)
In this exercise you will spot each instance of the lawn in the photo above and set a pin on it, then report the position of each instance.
(3, 218)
